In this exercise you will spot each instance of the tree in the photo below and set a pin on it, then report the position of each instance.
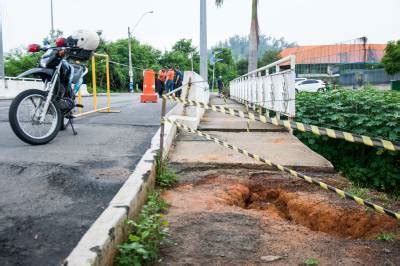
(180, 55)
(240, 45)
(185, 46)
(254, 34)
(18, 61)
(269, 57)
(225, 68)
(391, 59)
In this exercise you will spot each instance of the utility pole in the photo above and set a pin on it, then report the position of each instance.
(2, 75)
(203, 40)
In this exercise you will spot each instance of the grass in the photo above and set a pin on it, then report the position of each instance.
(147, 233)
(165, 176)
(150, 230)
(386, 236)
(359, 191)
(311, 261)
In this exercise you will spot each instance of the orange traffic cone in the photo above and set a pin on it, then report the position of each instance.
(148, 94)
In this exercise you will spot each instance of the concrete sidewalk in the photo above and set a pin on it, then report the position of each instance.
(268, 141)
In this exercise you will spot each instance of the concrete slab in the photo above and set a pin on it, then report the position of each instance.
(214, 121)
(281, 148)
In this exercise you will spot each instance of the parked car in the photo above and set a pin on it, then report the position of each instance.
(297, 80)
(310, 85)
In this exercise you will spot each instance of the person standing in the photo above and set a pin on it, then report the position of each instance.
(170, 79)
(160, 82)
(220, 85)
(178, 81)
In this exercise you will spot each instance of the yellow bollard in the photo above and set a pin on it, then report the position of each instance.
(94, 83)
(108, 82)
(79, 101)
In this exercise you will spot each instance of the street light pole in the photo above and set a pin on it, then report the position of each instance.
(203, 40)
(130, 61)
(130, 49)
(214, 62)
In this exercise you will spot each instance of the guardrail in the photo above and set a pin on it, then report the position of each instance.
(275, 92)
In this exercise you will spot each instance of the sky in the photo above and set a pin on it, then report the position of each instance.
(303, 21)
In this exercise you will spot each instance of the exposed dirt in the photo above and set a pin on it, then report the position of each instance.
(240, 217)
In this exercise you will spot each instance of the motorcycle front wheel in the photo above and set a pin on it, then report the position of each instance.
(24, 117)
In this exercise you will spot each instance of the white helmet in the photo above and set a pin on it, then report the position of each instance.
(87, 40)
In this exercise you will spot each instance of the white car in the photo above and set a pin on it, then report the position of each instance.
(310, 85)
(298, 80)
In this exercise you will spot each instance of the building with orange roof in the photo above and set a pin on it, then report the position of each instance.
(323, 59)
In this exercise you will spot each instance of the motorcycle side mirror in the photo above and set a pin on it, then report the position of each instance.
(33, 48)
(60, 42)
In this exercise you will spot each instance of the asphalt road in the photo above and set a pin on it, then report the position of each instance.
(51, 194)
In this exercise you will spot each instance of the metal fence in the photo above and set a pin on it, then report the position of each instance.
(274, 92)
(362, 77)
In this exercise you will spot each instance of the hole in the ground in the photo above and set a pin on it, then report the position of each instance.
(309, 210)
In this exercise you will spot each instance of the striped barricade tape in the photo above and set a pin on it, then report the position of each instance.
(319, 131)
(306, 178)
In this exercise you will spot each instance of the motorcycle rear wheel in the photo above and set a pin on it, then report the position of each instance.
(24, 117)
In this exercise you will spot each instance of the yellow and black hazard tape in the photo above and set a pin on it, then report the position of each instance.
(320, 131)
(306, 178)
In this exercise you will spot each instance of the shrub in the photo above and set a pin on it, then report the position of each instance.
(366, 112)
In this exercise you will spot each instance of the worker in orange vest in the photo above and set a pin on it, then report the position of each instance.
(170, 79)
(160, 82)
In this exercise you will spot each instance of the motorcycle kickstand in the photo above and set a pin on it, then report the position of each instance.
(70, 119)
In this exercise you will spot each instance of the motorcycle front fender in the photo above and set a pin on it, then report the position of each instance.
(43, 73)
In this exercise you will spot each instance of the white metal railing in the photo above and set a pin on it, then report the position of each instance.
(274, 92)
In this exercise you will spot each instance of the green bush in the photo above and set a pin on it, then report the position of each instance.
(366, 112)
(148, 233)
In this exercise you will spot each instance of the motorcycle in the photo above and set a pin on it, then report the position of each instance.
(36, 116)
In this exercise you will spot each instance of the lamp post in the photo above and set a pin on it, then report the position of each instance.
(203, 40)
(130, 48)
(214, 62)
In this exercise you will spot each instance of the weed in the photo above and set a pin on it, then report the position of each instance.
(386, 236)
(358, 191)
(165, 177)
(148, 232)
(311, 262)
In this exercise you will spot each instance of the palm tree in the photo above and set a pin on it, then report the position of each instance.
(254, 34)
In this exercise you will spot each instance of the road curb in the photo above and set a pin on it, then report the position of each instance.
(98, 246)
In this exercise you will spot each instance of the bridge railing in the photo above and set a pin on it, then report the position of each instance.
(272, 91)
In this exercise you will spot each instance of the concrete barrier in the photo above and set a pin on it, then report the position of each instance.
(99, 244)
